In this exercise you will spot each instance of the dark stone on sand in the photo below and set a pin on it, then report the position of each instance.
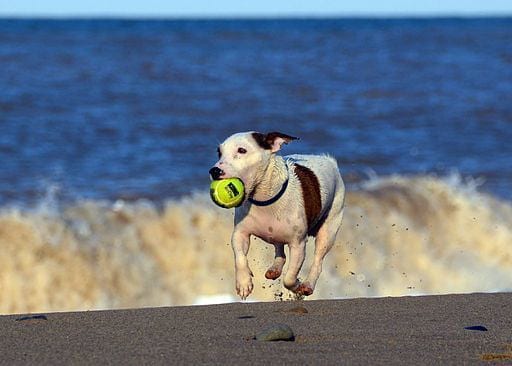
(276, 332)
(480, 328)
(32, 317)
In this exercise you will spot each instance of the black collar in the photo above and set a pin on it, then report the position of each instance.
(276, 197)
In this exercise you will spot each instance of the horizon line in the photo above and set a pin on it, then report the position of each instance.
(261, 16)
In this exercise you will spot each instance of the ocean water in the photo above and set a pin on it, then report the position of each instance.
(108, 129)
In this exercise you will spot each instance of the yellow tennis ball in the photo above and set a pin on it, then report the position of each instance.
(227, 193)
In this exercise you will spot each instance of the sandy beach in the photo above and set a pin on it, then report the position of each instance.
(405, 330)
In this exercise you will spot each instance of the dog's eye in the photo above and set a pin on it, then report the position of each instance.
(219, 153)
(241, 150)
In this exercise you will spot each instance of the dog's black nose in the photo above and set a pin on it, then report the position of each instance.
(215, 173)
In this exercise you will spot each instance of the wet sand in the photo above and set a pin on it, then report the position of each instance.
(406, 330)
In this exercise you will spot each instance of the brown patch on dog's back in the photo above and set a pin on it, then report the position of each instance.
(311, 195)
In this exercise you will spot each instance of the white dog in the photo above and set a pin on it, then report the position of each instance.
(286, 199)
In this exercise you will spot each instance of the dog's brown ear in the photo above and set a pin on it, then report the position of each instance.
(272, 140)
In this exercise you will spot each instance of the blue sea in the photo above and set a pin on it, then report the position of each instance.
(131, 109)
(108, 129)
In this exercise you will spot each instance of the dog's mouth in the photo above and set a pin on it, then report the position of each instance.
(216, 173)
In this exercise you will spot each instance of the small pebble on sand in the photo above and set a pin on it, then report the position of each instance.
(298, 310)
(276, 332)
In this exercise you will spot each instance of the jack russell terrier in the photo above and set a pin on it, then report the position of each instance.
(286, 200)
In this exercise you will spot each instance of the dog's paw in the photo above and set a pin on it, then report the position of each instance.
(244, 285)
(273, 273)
(304, 289)
(291, 284)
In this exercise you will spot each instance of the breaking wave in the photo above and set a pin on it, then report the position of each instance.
(400, 236)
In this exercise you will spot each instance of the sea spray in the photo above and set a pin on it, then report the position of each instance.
(400, 236)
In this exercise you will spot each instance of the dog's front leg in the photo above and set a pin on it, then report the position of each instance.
(240, 243)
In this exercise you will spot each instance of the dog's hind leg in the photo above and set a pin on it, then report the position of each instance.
(276, 268)
(295, 261)
(325, 239)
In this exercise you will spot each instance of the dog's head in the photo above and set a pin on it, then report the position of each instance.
(246, 156)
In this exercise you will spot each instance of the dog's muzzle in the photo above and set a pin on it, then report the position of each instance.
(216, 173)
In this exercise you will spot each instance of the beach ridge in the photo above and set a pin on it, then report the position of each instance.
(447, 329)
